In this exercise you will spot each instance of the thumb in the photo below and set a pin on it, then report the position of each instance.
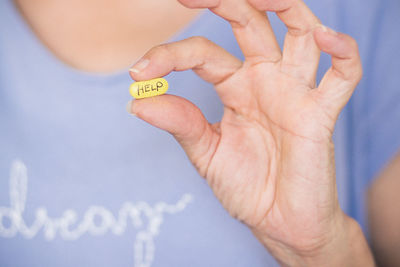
(184, 121)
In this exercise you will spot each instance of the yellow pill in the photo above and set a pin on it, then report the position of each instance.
(149, 88)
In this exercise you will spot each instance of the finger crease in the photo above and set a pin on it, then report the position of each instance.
(224, 78)
(263, 60)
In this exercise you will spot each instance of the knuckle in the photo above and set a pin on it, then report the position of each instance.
(201, 41)
(354, 65)
(358, 73)
(354, 74)
(160, 50)
(202, 44)
(187, 3)
(352, 43)
(358, 69)
(199, 4)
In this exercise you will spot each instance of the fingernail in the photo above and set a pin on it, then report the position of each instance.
(129, 108)
(140, 65)
(326, 29)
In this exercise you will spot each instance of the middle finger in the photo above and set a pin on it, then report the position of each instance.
(250, 26)
(300, 53)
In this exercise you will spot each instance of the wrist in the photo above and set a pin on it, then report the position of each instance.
(342, 245)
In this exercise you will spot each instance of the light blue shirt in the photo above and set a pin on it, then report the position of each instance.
(83, 183)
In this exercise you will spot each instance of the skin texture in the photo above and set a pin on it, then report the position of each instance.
(276, 131)
(270, 161)
(384, 215)
(103, 35)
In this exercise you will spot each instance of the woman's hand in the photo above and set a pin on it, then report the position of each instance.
(270, 160)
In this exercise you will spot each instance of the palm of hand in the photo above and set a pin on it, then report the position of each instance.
(263, 139)
(270, 160)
